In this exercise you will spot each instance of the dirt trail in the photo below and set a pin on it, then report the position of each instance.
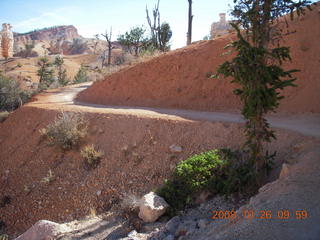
(306, 124)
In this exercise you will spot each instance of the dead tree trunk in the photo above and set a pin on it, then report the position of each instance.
(108, 37)
(190, 18)
(154, 27)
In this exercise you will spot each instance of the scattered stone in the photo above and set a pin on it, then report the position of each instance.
(99, 193)
(175, 148)
(150, 227)
(202, 223)
(172, 224)
(185, 228)
(152, 207)
(43, 229)
(169, 237)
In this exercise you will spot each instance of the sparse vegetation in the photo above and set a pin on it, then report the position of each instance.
(67, 130)
(220, 171)
(49, 178)
(11, 95)
(91, 155)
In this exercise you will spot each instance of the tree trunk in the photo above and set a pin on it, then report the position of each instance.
(109, 52)
(190, 18)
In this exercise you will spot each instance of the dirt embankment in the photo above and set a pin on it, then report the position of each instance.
(180, 79)
(136, 158)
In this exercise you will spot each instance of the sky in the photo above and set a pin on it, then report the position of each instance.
(92, 17)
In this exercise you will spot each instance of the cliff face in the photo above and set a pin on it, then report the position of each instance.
(54, 40)
(48, 34)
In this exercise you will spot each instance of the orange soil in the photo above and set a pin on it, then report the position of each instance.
(26, 158)
(180, 79)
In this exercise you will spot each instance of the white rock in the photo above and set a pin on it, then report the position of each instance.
(284, 170)
(175, 148)
(43, 229)
(152, 207)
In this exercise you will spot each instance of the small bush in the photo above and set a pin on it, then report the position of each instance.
(219, 171)
(82, 75)
(91, 155)
(11, 95)
(67, 130)
(49, 178)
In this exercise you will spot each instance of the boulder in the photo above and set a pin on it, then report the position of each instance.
(172, 224)
(152, 207)
(44, 230)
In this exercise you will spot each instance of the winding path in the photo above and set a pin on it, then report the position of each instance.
(63, 98)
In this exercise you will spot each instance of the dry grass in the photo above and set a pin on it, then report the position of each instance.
(91, 155)
(67, 130)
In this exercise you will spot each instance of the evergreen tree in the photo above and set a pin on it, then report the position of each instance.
(134, 39)
(257, 68)
(45, 73)
(82, 75)
(62, 73)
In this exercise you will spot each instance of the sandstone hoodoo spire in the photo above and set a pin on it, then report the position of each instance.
(6, 46)
(220, 28)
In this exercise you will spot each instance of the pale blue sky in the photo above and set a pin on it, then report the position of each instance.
(94, 16)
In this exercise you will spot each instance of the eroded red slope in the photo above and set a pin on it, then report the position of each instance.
(180, 79)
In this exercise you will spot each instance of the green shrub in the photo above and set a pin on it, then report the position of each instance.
(219, 171)
(91, 155)
(67, 130)
(11, 95)
(45, 73)
(82, 75)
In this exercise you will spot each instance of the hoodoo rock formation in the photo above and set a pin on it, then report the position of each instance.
(6, 38)
(220, 28)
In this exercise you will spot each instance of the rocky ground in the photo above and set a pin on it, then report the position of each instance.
(76, 192)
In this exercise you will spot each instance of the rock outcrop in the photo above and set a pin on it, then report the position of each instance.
(220, 28)
(48, 34)
(43, 229)
(54, 40)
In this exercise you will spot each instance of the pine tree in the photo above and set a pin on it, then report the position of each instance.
(62, 73)
(257, 68)
(45, 73)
